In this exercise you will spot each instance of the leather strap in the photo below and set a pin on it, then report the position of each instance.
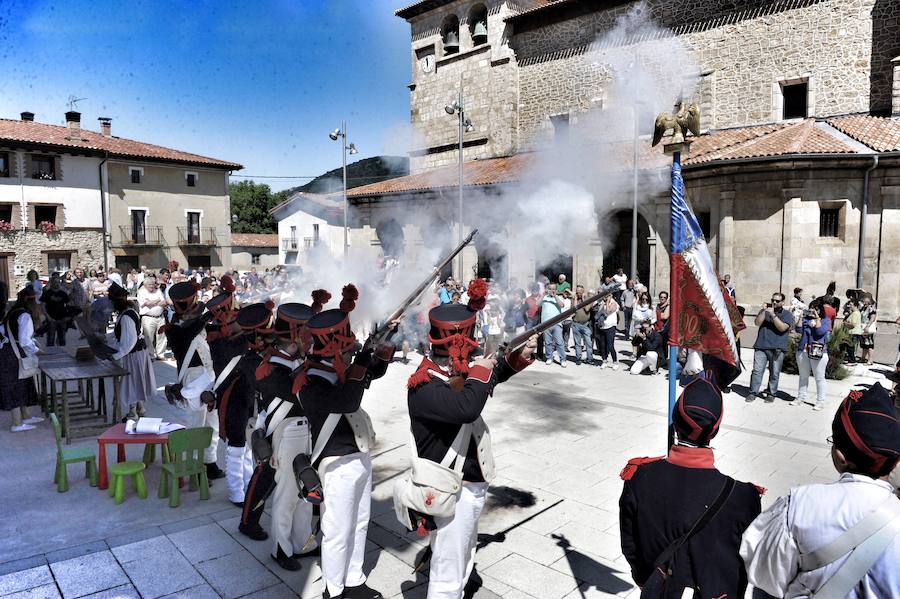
(278, 413)
(860, 562)
(853, 537)
(225, 372)
(458, 449)
(325, 435)
(188, 356)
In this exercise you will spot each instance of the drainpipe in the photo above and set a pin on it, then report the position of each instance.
(862, 224)
(103, 212)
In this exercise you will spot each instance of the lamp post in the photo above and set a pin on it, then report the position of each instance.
(634, 207)
(465, 126)
(345, 147)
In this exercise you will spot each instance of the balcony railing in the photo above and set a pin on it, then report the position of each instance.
(290, 244)
(152, 236)
(197, 236)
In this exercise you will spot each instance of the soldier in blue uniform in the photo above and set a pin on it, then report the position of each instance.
(331, 386)
(446, 397)
(680, 518)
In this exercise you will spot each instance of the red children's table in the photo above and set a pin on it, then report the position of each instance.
(117, 435)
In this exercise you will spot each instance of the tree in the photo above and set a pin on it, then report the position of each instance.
(250, 203)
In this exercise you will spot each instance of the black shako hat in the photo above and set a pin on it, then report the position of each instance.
(222, 305)
(117, 291)
(698, 412)
(289, 318)
(183, 295)
(452, 332)
(254, 316)
(866, 430)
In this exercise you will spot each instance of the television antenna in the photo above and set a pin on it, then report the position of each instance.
(73, 102)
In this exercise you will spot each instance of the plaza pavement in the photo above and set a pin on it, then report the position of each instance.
(549, 531)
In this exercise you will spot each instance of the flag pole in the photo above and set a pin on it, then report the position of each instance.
(673, 308)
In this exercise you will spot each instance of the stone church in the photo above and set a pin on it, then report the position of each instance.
(795, 177)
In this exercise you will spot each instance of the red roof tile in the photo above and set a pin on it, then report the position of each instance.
(880, 134)
(780, 139)
(256, 240)
(60, 136)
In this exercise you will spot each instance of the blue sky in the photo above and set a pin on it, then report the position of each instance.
(257, 82)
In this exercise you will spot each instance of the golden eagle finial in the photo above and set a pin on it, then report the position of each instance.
(686, 119)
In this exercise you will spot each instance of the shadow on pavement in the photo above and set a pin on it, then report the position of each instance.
(591, 571)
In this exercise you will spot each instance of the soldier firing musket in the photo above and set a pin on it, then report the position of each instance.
(382, 332)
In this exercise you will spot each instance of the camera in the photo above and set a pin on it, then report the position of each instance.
(810, 314)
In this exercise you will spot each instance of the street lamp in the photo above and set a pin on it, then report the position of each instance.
(341, 134)
(465, 126)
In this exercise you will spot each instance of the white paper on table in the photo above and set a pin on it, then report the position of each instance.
(150, 426)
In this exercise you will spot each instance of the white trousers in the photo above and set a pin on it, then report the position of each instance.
(238, 470)
(291, 516)
(156, 341)
(347, 482)
(197, 380)
(807, 365)
(453, 544)
(648, 360)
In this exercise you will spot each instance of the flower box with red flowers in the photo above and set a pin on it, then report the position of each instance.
(5, 226)
(47, 227)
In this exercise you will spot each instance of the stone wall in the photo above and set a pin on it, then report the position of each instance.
(487, 75)
(743, 54)
(30, 248)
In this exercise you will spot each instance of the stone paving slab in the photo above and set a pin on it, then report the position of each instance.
(549, 529)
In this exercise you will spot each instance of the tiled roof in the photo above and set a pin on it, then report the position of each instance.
(539, 6)
(61, 136)
(256, 240)
(775, 140)
(419, 7)
(880, 134)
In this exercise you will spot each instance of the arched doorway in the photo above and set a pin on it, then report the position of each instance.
(618, 251)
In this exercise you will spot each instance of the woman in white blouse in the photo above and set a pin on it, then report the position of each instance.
(16, 342)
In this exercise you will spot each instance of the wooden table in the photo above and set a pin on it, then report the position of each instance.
(59, 367)
(117, 435)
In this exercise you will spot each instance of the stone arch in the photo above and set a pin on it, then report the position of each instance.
(617, 249)
(390, 235)
(478, 24)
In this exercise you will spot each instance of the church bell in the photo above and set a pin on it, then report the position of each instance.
(451, 44)
(479, 34)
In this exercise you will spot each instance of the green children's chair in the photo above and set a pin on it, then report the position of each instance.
(185, 459)
(117, 474)
(72, 455)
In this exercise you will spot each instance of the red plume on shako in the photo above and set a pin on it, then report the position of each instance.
(331, 336)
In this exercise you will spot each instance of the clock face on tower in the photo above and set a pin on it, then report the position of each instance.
(428, 63)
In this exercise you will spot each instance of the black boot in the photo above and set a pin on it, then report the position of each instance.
(285, 561)
(317, 552)
(361, 592)
(254, 531)
(213, 471)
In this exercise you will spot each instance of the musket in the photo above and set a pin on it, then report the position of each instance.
(519, 341)
(380, 334)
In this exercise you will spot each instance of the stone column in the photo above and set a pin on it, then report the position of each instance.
(887, 288)
(725, 232)
(791, 250)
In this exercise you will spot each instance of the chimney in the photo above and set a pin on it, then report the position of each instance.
(105, 126)
(895, 90)
(27, 116)
(73, 121)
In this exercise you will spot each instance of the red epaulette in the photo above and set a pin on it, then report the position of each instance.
(419, 377)
(635, 463)
(760, 490)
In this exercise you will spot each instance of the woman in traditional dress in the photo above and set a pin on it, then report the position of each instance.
(139, 385)
(18, 328)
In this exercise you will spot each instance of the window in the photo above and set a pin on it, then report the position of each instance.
(254, 258)
(43, 167)
(6, 214)
(193, 226)
(316, 233)
(560, 129)
(135, 175)
(829, 222)
(705, 224)
(138, 228)
(794, 100)
(4, 164)
(59, 262)
(191, 179)
(44, 214)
